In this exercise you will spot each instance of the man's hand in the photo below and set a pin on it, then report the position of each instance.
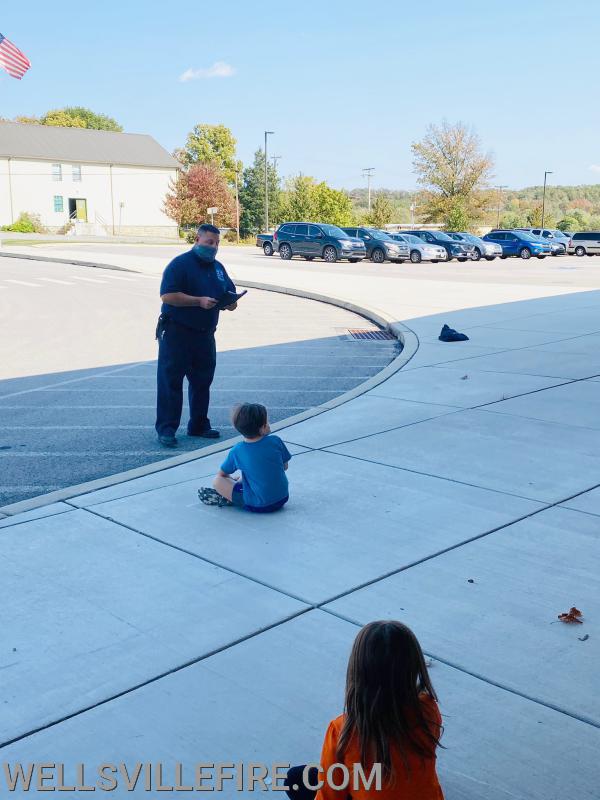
(207, 302)
(232, 307)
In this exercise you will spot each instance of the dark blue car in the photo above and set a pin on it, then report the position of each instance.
(518, 243)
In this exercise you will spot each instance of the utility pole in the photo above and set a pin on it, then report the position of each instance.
(237, 206)
(499, 202)
(267, 133)
(368, 171)
(275, 159)
(548, 172)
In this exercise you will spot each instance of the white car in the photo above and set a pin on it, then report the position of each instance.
(420, 250)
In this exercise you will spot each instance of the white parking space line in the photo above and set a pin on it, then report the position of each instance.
(87, 280)
(117, 277)
(23, 283)
(55, 280)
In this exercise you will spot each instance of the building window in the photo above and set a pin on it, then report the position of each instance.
(58, 203)
(76, 172)
(57, 172)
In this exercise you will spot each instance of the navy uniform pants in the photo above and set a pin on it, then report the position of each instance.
(183, 352)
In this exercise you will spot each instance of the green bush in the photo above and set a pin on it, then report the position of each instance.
(26, 223)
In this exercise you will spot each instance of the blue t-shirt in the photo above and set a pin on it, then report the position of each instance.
(261, 463)
(192, 275)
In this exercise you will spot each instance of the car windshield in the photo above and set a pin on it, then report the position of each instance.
(333, 230)
(381, 235)
(443, 236)
(531, 237)
(560, 234)
(408, 237)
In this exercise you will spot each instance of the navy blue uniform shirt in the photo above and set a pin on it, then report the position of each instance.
(192, 275)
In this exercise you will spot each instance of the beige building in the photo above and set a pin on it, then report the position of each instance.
(94, 182)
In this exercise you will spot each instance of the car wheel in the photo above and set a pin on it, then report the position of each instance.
(330, 254)
(476, 254)
(580, 251)
(490, 258)
(462, 260)
(268, 249)
(541, 257)
(415, 256)
(525, 253)
(378, 256)
(285, 252)
(503, 256)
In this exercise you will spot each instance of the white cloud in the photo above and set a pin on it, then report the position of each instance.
(595, 167)
(220, 69)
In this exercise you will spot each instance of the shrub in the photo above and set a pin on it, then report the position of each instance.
(26, 223)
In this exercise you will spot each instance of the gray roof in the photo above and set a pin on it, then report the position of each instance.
(75, 145)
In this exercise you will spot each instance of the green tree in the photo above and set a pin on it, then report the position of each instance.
(252, 195)
(80, 117)
(568, 223)
(298, 201)
(331, 205)
(454, 174)
(304, 198)
(211, 144)
(456, 218)
(382, 212)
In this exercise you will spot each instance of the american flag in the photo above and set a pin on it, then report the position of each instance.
(12, 59)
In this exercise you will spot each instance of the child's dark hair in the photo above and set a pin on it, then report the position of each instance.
(249, 418)
(386, 674)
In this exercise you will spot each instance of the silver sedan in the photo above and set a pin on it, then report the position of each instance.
(420, 250)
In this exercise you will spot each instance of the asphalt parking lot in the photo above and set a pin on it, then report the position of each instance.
(77, 369)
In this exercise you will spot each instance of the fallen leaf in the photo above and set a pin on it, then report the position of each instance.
(571, 616)
(470, 580)
(584, 638)
(464, 378)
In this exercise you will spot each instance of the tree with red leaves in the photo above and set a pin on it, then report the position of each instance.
(199, 188)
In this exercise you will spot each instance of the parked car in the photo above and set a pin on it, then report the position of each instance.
(585, 243)
(483, 249)
(460, 250)
(265, 240)
(519, 243)
(420, 250)
(310, 240)
(558, 239)
(379, 245)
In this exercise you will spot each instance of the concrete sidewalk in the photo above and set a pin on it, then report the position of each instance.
(461, 496)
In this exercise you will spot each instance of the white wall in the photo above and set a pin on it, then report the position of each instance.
(142, 190)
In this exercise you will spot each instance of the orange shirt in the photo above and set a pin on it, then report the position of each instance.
(420, 783)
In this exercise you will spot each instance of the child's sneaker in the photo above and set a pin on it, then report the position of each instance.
(210, 497)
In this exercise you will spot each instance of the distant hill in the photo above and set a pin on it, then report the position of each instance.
(574, 207)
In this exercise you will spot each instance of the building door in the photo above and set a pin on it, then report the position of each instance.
(78, 209)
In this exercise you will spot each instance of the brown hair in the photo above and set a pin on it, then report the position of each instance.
(386, 674)
(249, 418)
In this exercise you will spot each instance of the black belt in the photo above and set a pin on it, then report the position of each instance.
(164, 320)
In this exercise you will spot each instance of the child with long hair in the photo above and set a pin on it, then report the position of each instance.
(390, 718)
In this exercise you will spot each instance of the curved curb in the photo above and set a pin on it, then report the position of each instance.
(410, 345)
(77, 263)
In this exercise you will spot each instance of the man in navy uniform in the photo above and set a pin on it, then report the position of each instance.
(190, 289)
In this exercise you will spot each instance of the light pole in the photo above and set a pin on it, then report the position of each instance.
(503, 186)
(237, 206)
(368, 171)
(548, 172)
(275, 159)
(267, 133)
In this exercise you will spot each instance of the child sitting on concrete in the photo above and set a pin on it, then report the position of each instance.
(262, 459)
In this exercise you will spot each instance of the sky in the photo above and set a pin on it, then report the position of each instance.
(343, 85)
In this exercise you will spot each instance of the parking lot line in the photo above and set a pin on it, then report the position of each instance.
(56, 280)
(87, 280)
(23, 283)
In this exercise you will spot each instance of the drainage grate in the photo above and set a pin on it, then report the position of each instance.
(370, 333)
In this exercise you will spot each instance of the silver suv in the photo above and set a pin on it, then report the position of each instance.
(553, 236)
(585, 243)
